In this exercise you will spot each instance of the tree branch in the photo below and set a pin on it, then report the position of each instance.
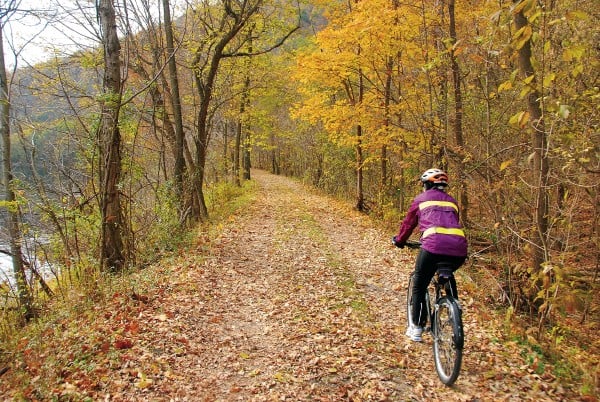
(264, 51)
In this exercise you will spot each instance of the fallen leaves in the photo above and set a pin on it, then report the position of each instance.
(298, 299)
(143, 382)
(121, 343)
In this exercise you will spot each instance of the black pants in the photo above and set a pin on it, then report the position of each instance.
(425, 268)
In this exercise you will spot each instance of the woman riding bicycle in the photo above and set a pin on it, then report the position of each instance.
(442, 240)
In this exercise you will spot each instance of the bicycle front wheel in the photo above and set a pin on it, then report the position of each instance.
(448, 340)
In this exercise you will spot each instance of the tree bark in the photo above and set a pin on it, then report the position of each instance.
(112, 254)
(247, 141)
(241, 146)
(360, 196)
(236, 150)
(205, 86)
(458, 119)
(539, 142)
(176, 100)
(387, 124)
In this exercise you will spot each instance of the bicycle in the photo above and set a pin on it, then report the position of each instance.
(445, 320)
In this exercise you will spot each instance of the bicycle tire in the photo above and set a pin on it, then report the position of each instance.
(448, 340)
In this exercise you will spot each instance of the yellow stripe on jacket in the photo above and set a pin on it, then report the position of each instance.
(427, 204)
(448, 231)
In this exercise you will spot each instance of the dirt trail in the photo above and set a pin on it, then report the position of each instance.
(300, 298)
(300, 306)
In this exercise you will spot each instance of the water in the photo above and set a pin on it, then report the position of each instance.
(6, 270)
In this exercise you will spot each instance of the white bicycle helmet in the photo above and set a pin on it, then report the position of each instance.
(434, 177)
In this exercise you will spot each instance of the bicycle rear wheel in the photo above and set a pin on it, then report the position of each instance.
(448, 340)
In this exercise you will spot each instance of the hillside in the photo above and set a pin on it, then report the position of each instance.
(297, 297)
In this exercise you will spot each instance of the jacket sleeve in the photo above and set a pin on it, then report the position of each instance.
(409, 223)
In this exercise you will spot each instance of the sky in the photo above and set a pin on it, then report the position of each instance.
(30, 39)
(65, 27)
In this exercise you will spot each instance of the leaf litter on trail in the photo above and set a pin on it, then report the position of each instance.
(290, 303)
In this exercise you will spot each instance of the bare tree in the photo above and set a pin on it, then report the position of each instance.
(14, 216)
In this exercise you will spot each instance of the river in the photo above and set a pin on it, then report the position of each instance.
(6, 269)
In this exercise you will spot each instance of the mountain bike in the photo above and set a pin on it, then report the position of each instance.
(445, 321)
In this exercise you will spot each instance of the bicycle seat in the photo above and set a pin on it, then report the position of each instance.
(444, 272)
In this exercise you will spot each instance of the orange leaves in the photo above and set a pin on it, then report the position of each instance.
(132, 327)
(22, 344)
(31, 361)
(123, 343)
(139, 297)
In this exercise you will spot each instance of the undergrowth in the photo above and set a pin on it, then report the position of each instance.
(564, 349)
(82, 287)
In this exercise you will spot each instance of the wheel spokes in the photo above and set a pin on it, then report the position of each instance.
(445, 340)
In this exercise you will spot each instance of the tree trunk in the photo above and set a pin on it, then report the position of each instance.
(539, 141)
(387, 123)
(244, 102)
(237, 149)
(226, 148)
(274, 161)
(112, 254)
(199, 209)
(176, 99)
(247, 161)
(360, 196)
(24, 295)
(205, 85)
(205, 66)
(458, 118)
(240, 146)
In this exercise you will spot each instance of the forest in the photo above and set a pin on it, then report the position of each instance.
(118, 148)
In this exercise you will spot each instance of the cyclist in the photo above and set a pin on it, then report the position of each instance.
(442, 239)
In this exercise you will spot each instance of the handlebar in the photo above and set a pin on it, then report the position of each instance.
(413, 244)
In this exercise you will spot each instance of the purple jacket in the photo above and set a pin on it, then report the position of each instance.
(436, 213)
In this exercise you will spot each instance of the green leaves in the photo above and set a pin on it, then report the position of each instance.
(563, 111)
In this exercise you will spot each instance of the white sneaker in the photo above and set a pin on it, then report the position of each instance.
(414, 333)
